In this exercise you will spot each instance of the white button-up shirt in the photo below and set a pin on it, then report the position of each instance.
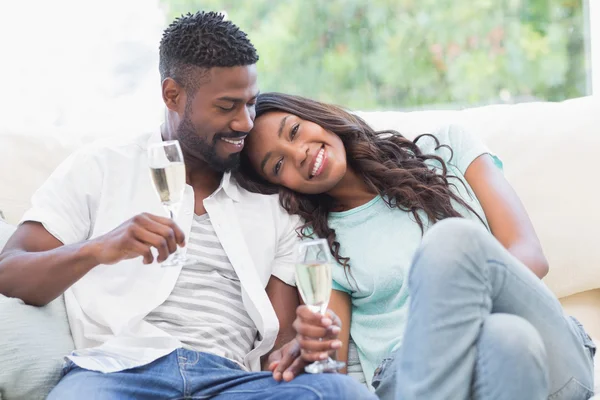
(101, 186)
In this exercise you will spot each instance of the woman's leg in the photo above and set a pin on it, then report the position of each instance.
(511, 360)
(460, 276)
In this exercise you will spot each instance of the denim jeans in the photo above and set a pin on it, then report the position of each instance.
(481, 325)
(186, 374)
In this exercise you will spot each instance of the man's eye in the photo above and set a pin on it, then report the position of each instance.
(277, 167)
(294, 131)
(226, 108)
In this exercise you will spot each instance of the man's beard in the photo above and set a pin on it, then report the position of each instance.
(198, 145)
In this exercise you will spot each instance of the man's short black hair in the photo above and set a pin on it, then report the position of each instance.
(202, 40)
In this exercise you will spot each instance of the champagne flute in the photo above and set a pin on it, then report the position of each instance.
(313, 278)
(168, 175)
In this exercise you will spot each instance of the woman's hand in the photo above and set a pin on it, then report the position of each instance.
(289, 361)
(317, 335)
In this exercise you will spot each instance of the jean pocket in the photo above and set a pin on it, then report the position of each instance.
(380, 372)
(68, 365)
(587, 340)
(572, 390)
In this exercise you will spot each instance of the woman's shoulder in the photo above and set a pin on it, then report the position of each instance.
(456, 145)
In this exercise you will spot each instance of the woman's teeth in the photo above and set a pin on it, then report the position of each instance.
(318, 162)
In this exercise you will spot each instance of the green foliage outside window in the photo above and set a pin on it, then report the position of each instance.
(390, 54)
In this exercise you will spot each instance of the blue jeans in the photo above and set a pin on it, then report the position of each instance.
(186, 374)
(481, 325)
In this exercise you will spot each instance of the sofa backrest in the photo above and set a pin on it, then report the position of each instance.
(549, 152)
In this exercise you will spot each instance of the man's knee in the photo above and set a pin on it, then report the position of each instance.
(336, 387)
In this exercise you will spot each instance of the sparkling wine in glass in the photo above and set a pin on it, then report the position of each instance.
(313, 279)
(168, 175)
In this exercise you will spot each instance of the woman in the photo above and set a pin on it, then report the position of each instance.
(439, 265)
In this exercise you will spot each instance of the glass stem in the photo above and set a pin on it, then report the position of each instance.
(171, 210)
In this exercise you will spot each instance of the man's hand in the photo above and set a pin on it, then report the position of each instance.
(285, 362)
(136, 237)
(289, 361)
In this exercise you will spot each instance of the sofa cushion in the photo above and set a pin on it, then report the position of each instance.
(549, 151)
(6, 230)
(34, 343)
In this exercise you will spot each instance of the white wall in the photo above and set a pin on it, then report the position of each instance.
(86, 67)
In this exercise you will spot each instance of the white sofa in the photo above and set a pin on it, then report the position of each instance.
(549, 152)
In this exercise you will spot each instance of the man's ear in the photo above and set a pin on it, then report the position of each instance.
(173, 95)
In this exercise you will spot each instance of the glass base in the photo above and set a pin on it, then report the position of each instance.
(329, 365)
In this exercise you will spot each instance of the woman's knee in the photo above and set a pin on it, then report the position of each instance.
(446, 245)
(512, 339)
(453, 233)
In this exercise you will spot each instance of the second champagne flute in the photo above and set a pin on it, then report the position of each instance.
(313, 279)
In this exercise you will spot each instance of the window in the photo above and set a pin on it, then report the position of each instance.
(594, 24)
(390, 54)
(91, 68)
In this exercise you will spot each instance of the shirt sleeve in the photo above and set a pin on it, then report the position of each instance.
(64, 204)
(340, 288)
(284, 263)
(466, 147)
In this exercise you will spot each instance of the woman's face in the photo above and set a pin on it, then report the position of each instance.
(295, 153)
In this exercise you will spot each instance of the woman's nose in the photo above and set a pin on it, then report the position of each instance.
(300, 155)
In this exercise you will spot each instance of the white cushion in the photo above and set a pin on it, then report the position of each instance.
(26, 160)
(550, 153)
(34, 342)
(6, 231)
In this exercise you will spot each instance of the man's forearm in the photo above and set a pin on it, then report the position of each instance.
(37, 278)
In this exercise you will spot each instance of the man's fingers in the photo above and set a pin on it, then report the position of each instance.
(152, 239)
(143, 250)
(294, 370)
(178, 235)
(272, 365)
(289, 354)
(164, 231)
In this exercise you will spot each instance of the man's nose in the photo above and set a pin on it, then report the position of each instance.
(243, 121)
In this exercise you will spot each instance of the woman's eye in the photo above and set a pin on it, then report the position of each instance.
(294, 131)
(277, 167)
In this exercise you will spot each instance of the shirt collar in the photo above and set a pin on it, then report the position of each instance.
(228, 183)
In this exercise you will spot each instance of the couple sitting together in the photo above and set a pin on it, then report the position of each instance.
(438, 272)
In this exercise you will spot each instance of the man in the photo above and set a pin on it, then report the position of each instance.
(146, 331)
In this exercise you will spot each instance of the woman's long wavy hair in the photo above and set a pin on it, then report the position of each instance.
(389, 163)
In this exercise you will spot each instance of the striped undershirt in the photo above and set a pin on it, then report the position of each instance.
(205, 310)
